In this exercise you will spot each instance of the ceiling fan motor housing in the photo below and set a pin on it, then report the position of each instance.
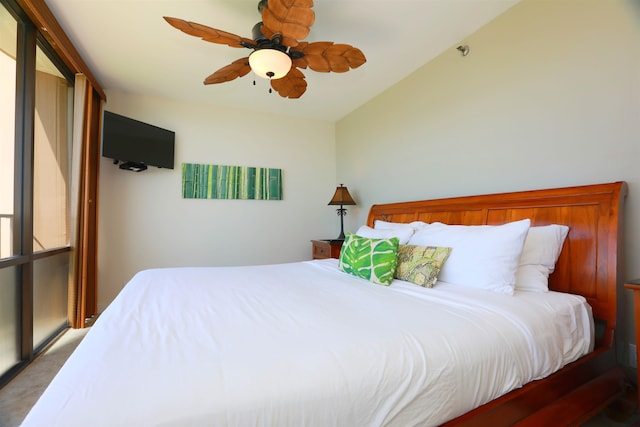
(256, 33)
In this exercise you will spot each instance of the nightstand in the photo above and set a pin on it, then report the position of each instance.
(634, 285)
(322, 249)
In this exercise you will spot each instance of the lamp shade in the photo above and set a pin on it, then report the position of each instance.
(342, 197)
(270, 63)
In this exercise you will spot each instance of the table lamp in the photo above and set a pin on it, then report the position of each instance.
(342, 197)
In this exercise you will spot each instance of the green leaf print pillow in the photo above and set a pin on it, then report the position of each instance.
(371, 259)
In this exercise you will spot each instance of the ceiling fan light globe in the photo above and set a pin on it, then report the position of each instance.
(270, 63)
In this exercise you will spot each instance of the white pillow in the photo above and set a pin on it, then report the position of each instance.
(541, 251)
(415, 225)
(403, 234)
(482, 256)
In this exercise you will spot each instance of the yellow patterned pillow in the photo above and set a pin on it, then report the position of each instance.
(420, 264)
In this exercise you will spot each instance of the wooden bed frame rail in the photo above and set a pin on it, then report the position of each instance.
(588, 266)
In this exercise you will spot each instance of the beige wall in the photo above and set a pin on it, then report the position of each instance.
(145, 223)
(549, 96)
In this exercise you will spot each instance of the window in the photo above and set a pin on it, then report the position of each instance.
(52, 147)
(8, 31)
(35, 145)
(52, 142)
(9, 291)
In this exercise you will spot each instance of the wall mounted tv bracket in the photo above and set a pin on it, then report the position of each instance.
(132, 166)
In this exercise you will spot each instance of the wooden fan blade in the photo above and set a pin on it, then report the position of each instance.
(238, 68)
(293, 85)
(210, 34)
(328, 56)
(290, 18)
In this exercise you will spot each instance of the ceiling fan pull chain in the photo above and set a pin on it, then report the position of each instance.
(254, 83)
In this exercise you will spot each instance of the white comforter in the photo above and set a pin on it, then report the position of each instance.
(304, 344)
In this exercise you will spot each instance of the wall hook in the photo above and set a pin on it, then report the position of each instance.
(464, 49)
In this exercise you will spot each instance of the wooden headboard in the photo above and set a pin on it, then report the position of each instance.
(588, 264)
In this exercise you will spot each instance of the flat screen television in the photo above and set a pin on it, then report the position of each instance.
(136, 144)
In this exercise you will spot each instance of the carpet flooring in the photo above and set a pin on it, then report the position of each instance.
(21, 393)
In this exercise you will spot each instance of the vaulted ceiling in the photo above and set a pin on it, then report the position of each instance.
(130, 48)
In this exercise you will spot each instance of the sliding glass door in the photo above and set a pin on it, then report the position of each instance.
(51, 163)
(10, 274)
(35, 146)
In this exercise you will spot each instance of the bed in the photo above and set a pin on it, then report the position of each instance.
(307, 344)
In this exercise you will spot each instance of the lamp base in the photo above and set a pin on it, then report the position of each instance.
(341, 213)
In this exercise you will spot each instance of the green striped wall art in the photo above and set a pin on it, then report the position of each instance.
(230, 182)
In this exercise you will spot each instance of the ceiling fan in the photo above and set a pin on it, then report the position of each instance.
(278, 52)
